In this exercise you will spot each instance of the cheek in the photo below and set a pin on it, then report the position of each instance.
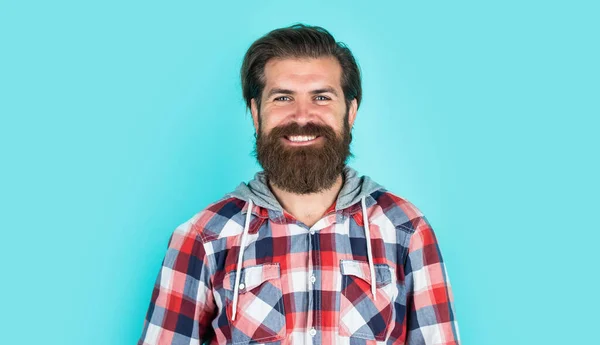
(334, 120)
(276, 113)
(271, 119)
(266, 126)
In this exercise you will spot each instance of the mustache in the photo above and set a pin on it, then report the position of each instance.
(308, 129)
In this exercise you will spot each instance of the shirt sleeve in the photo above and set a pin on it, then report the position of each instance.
(431, 317)
(182, 304)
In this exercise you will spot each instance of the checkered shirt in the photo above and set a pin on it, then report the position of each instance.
(301, 285)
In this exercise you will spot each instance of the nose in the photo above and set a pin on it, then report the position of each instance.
(304, 112)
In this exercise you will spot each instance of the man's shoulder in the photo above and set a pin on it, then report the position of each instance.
(221, 218)
(401, 212)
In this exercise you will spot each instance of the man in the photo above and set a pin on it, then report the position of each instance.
(307, 252)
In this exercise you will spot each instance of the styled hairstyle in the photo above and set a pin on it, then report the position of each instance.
(297, 41)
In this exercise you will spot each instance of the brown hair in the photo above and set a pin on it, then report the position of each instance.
(297, 41)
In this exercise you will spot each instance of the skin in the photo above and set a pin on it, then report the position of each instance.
(303, 91)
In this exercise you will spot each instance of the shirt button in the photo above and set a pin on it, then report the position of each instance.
(241, 286)
(313, 279)
(312, 332)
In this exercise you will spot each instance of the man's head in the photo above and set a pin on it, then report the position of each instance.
(303, 89)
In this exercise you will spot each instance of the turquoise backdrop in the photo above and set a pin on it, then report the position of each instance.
(122, 119)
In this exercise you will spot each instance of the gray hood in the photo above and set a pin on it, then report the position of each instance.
(355, 190)
(352, 191)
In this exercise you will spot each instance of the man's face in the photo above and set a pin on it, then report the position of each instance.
(303, 126)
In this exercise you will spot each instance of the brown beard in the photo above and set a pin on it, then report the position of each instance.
(303, 169)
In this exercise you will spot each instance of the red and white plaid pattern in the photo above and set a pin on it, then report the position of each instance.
(301, 285)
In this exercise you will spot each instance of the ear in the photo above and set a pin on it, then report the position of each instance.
(352, 112)
(254, 111)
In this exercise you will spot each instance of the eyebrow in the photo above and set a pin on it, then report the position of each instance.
(324, 90)
(290, 92)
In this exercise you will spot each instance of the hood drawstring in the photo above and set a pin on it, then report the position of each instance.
(369, 251)
(238, 273)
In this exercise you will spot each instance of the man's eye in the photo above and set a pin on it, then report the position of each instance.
(282, 98)
(322, 98)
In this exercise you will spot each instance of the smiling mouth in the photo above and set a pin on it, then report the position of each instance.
(301, 138)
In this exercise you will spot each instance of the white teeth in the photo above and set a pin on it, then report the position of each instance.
(299, 138)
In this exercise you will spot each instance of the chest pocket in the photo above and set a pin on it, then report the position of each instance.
(360, 315)
(260, 315)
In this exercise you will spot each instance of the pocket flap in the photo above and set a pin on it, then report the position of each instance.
(360, 269)
(252, 276)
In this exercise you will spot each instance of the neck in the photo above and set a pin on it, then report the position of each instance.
(308, 208)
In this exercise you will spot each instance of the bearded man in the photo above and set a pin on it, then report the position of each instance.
(307, 252)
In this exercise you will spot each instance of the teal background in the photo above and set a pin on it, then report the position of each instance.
(122, 119)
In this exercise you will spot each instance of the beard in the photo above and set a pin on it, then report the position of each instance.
(303, 169)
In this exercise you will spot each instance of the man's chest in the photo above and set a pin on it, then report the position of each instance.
(296, 278)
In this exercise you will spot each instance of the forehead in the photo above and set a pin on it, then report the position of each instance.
(298, 73)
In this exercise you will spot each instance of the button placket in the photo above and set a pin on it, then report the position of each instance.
(314, 296)
(315, 293)
(310, 272)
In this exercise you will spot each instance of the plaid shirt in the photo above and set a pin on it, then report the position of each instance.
(302, 285)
